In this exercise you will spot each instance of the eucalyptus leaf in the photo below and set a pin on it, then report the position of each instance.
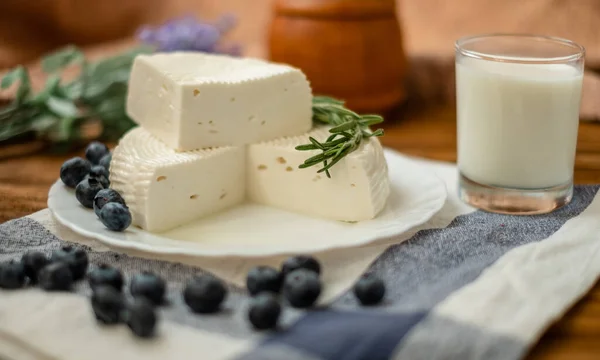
(62, 107)
(58, 60)
(17, 74)
(21, 75)
(50, 89)
(59, 110)
(64, 130)
(43, 122)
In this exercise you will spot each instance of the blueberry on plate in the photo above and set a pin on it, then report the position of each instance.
(101, 174)
(12, 275)
(106, 275)
(33, 261)
(98, 170)
(148, 285)
(86, 190)
(301, 288)
(264, 311)
(369, 290)
(74, 170)
(115, 216)
(204, 294)
(108, 304)
(106, 196)
(263, 278)
(55, 277)
(141, 317)
(300, 262)
(105, 161)
(95, 151)
(76, 259)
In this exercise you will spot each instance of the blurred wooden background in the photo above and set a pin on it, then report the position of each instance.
(30, 27)
(430, 27)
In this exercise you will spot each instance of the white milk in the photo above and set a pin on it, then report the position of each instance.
(517, 123)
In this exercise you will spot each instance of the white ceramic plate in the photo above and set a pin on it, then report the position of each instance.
(254, 230)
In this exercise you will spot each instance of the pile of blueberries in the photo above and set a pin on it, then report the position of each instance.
(90, 179)
(298, 282)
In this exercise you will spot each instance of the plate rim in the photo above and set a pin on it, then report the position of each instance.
(191, 252)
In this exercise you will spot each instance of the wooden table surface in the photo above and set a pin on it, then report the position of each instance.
(26, 175)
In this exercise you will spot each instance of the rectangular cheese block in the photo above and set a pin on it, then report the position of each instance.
(357, 190)
(194, 100)
(165, 189)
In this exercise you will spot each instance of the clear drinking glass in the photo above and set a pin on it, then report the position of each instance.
(518, 100)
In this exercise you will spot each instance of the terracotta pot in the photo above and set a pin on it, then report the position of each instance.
(349, 49)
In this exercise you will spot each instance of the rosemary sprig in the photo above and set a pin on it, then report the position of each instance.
(58, 112)
(349, 129)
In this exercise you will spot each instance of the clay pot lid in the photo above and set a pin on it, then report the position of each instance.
(342, 9)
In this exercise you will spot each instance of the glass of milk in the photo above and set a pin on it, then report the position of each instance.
(518, 100)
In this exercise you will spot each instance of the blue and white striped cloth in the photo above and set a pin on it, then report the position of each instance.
(466, 285)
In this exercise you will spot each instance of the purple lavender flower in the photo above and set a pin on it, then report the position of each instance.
(188, 34)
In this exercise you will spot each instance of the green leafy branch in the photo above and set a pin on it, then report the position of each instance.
(58, 111)
(347, 133)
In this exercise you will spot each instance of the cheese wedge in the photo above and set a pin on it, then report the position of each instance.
(194, 100)
(165, 189)
(357, 190)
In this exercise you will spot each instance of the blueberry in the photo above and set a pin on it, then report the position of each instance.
(55, 277)
(74, 170)
(76, 259)
(86, 190)
(263, 278)
(101, 174)
(115, 216)
(204, 294)
(141, 317)
(301, 288)
(105, 161)
(98, 170)
(106, 275)
(300, 262)
(95, 151)
(108, 304)
(33, 261)
(369, 290)
(149, 286)
(12, 275)
(264, 311)
(105, 196)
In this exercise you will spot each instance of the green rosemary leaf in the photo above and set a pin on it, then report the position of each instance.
(62, 107)
(378, 132)
(319, 99)
(369, 120)
(343, 127)
(315, 142)
(318, 158)
(333, 143)
(61, 58)
(334, 161)
(306, 147)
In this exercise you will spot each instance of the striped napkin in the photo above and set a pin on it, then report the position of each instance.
(466, 285)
